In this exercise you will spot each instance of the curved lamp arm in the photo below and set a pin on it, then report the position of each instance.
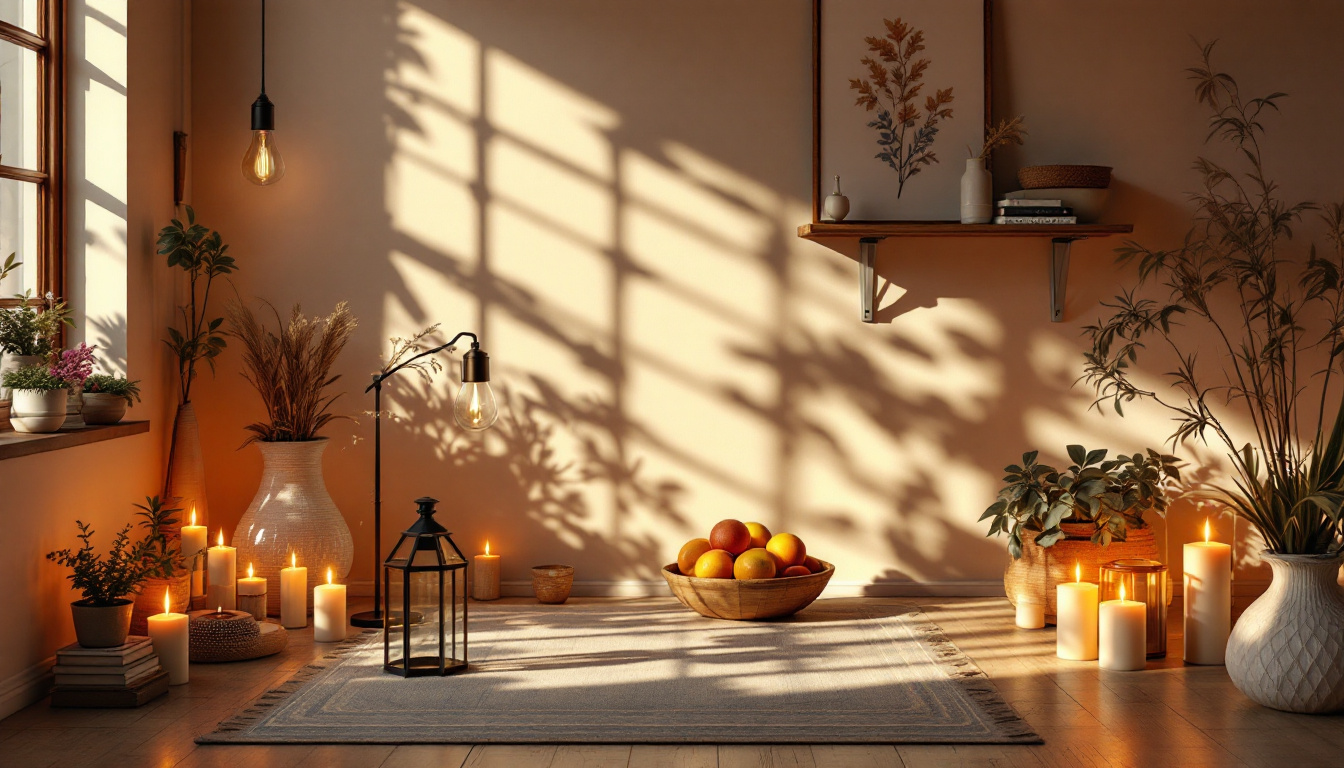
(379, 378)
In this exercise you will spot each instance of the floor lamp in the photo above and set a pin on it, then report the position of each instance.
(474, 410)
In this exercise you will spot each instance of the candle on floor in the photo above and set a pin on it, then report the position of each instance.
(485, 582)
(194, 542)
(329, 611)
(169, 633)
(1030, 612)
(252, 595)
(1124, 634)
(1076, 618)
(293, 594)
(223, 575)
(1208, 599)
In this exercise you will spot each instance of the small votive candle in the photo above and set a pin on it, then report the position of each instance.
(169, 633)
(252, 595)
(1030, 612)
(329, 611)
(485, 581)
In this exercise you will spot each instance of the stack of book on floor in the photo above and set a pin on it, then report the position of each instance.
(125, 676)
(1019, 211)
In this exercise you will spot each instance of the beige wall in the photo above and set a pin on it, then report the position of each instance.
(608, 192)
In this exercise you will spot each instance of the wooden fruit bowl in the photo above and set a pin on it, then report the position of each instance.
(743, 600)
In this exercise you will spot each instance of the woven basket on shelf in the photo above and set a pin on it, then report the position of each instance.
(552, 583)
(1076, 176)
(1035, 575)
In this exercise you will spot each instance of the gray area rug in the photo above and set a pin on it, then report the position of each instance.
(650, 672)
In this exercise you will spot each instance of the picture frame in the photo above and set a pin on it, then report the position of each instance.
(844, 140)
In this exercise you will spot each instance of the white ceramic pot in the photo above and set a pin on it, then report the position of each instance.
(977, 193)
(292, 511)
(38, 410)
(836, 206)
(1287, 650)
(102, 626)
(9, 362)
(102, 408)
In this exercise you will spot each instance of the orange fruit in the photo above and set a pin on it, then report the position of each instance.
(714, 564)
(787, 549)
(690, 552)
(759, 534)
(813, 564)
(796, 570)
(754, 564)
(730, 535)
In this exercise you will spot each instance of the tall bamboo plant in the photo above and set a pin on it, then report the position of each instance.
(1271, 325)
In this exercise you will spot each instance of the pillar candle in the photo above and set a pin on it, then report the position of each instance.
(170, 635)
(1208, 599)
(1076, 618)
(485, 582)
(1030, 613)
(293, 594)
(329, 611)
(194, 541)
(252, 595)
(1124, 634)
(223, 575)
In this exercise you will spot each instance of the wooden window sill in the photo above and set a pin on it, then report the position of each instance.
(16, 444)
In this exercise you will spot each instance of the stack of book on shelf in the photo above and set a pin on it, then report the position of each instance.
(1019, 211)
(125, 676)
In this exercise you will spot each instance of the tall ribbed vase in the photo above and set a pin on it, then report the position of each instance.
(292, 512)
(186, 468)
(1287, 650)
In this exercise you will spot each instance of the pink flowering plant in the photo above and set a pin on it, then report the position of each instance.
(73, 366)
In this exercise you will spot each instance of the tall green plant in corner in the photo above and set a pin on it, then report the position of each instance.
(1277, 322)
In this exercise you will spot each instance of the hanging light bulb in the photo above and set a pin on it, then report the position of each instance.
(262, 163)
(475, 409)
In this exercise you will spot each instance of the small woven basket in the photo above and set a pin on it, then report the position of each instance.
(551, 583)
(235, 637)
(1075, 176)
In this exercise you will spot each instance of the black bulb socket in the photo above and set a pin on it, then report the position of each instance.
(263, 114)
(475, 365)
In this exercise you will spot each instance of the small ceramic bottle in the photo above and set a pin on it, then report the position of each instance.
(977, 192)
(836, 207)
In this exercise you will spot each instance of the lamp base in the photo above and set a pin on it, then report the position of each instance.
(374, 619)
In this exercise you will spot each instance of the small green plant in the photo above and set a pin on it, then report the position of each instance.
(33, 377)
(34, 327)
(9, 266)
(1111, 495)
(105, 581)
(158, 521)
(201, 253)
(114, 385)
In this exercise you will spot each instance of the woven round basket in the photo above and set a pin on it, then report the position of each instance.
(236, 637)
(1076, 176)
(1040, 569)
(552, 583)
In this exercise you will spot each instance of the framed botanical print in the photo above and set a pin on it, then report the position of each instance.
(900, 92)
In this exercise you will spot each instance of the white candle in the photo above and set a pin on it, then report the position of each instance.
(1030, 613)
(252, 594)
(251, 585)
(194, 541)
(485, 582)
(293, 594)
(169, 632)
(1124, 634)
(1076, 618)
(1208, 599)
(329, 611)
(223, 575)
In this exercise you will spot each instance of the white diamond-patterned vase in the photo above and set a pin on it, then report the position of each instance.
(1287, 650)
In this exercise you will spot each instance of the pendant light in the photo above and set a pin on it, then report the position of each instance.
(262, 163)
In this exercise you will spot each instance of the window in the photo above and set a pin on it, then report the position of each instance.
(32, 151)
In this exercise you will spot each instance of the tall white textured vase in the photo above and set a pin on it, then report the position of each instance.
(977, 193)
(292, 511)
(1287, 650)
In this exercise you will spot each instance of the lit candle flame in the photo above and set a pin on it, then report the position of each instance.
(293, 560)
(1122, 592)
(193, 516)
(1206, 530)
(249, 570)
(328, 575)
(487, 546)
(1077, 571)
(221, 537)
(167, 607)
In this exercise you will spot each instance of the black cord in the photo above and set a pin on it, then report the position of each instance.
(263, 47)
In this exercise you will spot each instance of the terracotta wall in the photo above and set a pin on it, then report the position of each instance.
(608, 192)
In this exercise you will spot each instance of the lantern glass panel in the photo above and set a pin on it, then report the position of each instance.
(1145, 581)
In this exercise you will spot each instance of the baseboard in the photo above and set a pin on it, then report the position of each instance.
(25, 687)
(641, 588)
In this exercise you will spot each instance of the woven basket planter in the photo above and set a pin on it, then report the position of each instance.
(1077, 176)
(150, 600)
(1035, 575)
(551, 583)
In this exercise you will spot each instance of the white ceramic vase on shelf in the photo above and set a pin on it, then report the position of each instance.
(836, 206)
(292, 512)
(10, 362)
(977, 193)
(1287, 650)
(38, 410)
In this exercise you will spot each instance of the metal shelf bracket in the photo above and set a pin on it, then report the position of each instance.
(867, 278)
(1059, 275)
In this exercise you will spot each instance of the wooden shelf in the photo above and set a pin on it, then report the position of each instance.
(16, 444)
(885, 229)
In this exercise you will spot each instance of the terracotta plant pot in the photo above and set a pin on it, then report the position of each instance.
(1040, 569)
(38, 410)
(150, 600)
(102, 408)
(102, 626)
(552, 583)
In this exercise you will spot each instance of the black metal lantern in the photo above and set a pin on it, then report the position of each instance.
(428, 562)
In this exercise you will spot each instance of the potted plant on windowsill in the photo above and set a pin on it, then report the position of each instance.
(29, 333)
(1087, 515)
(106, 398)
(103, 616)
(73, 366)
(40, 399)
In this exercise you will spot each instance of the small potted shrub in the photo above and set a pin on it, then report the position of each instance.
(103, 616)
(39, 398)
(106, 398)
(159, 520)
(28, 333)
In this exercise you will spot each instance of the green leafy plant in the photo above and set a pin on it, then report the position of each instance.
(34, 327)
(905, 136)
(106, 581)
(201, 253)
(36, 377)
(9, 266)
(158, 522)
(1268, 326)
(1110, 495)
(101, 383)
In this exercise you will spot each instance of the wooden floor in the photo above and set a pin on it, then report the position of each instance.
(1167, 715)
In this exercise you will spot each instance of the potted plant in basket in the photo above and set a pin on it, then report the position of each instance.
(30, 333)
(106, 398)
(290, 367)
(1087, 515)
(1278, 326)
(103, 616)
(160, 523)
